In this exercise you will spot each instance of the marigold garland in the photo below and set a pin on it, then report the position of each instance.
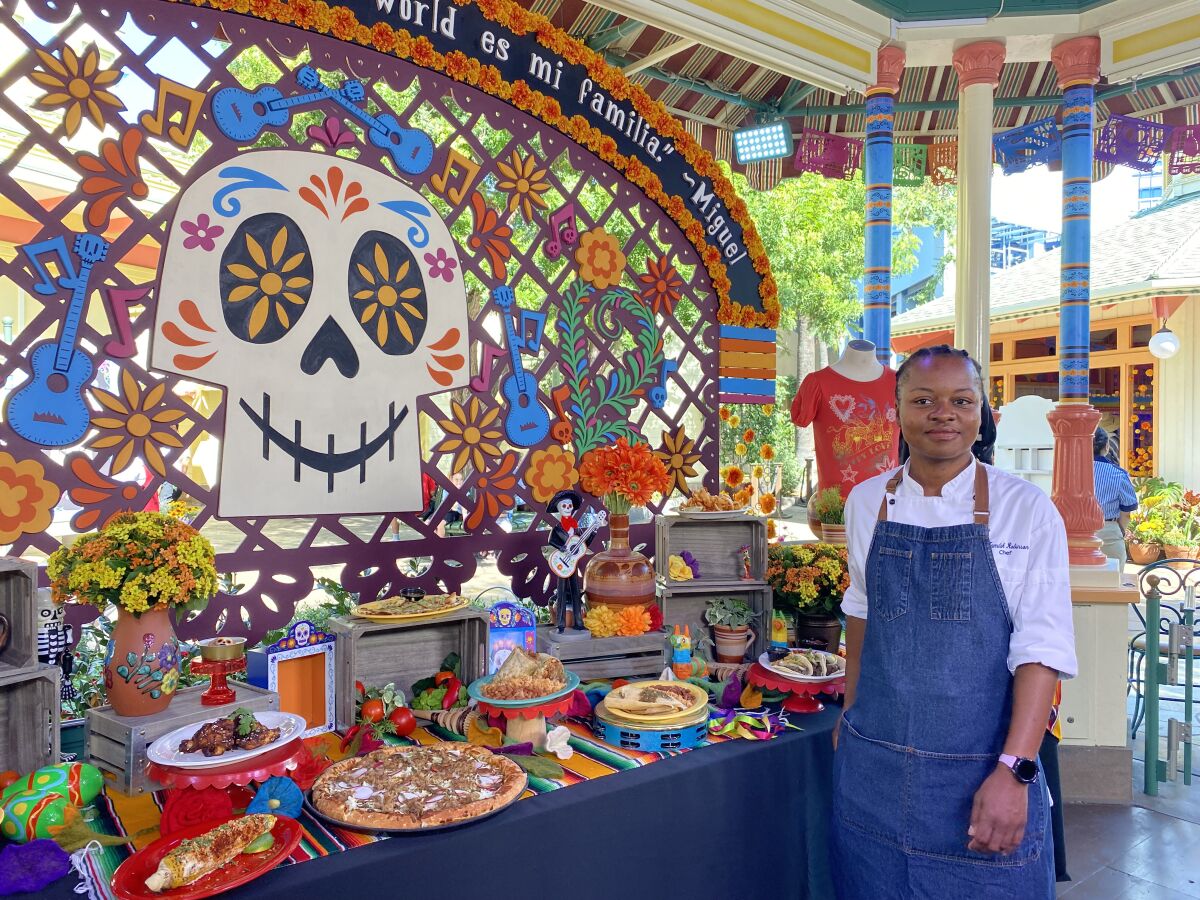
(320, 17)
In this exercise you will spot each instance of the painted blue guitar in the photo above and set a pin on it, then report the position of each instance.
(527, 422)
(242, 115)
(50, 409)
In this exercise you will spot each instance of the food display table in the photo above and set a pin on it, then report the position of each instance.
(761, 809)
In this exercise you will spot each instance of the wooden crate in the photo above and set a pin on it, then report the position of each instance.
(29, 719)
(684, 604)
(116, 745)
(18, 604)
(715, 544)
(401, 653)
(612, 657)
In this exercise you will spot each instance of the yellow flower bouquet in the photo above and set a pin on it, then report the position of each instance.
(139, 561)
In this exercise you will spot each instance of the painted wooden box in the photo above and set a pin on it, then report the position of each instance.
(116, 745)
(400, 653)
(29, 718)
(715, 543)
(611, 657)
(18, 608)
(684, 606)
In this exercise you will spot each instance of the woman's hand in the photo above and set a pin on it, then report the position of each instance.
(999, 814)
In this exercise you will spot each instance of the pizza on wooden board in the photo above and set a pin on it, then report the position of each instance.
(418, 787)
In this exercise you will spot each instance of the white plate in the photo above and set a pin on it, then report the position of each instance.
(765, 662)
(165, 751)
(713, 513)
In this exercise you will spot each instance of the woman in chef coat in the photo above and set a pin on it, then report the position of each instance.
(958, 629)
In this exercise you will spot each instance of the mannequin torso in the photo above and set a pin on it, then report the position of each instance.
(858, 362)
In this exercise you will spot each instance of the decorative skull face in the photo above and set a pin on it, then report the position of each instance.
(326, 297)
(302, 632)
(50, 614)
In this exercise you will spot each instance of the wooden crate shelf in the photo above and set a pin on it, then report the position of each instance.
(686, 607)
(116, 745)
(715, 544)
(18, 605)
(611, 657)
(29, 718)
(401, 653)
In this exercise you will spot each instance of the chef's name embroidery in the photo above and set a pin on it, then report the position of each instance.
(1006, 548)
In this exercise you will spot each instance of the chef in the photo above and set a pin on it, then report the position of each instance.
(958, 629)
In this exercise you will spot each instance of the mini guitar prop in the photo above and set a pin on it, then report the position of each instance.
(564, 562)
(50, 409)
(526, 422)
(242, 115)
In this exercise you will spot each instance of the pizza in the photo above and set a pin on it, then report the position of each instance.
(399, 788)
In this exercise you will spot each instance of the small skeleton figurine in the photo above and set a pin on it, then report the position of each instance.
(55, 639)
(565, 505)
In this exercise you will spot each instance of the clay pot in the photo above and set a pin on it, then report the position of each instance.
(619, 576)
(141, 667)
(732, 642)
(833, 534)
(818, 632)
(1143, 554)
(1183, 553)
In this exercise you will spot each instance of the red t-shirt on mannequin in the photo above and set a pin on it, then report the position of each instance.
(855, 429)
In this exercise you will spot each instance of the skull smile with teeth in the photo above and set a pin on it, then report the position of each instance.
(314, 311)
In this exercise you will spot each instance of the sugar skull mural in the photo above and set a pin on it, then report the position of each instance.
(329, 302)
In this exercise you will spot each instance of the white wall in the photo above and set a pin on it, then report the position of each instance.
(1178, 419)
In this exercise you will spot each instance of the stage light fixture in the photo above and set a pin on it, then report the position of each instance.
(759, 142)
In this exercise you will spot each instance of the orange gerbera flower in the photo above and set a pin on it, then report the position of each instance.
(766, 503)
(600, 258)
(662, 285)
(724, 413)
(748, 435)
(490, 235)
(767, 452)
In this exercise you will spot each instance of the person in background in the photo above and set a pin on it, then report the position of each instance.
(1116, 496)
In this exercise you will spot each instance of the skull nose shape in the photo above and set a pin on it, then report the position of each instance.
(330, 342)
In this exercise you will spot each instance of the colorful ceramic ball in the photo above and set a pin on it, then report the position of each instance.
(30, 814)
(78, 783)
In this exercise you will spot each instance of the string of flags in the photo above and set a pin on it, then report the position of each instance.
(1121, 140)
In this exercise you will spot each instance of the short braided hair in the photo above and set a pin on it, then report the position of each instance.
(983, 449)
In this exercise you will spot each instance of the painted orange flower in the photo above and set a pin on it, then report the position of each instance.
(494, 491)
(96, 490)
(471, 434)
(550, 471)
(524, 182)
(489, 235)
(724, 413)
(661, 286)
(766, 503)
(734, 476)
(767, 452)
(600, 258)
(27, 498)
(137, 422)
(113, 175)
(748, 435)
(76, 84)
(679, 459)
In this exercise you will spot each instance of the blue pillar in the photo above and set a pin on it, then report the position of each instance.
(1075, 286)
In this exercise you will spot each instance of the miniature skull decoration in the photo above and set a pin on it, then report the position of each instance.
(326, 297)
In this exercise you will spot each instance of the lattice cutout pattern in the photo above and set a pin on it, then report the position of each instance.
(203, 51)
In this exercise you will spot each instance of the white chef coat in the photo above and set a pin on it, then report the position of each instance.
(1029, 545)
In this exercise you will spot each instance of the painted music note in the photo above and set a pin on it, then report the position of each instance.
(483, 381)
(563, 230)
(117, 301)
(658, 393)
(441, 183)
(160, 120)
(562, 430)
(526, 421)
(46, 284)
(529, 332)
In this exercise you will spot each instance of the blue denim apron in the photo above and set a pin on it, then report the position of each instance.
(930, 719)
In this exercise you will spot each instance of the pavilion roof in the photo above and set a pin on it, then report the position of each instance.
(1156, 251)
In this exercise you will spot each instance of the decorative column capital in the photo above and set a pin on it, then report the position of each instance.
(888, 71)
(1077, 61)
(979, 63)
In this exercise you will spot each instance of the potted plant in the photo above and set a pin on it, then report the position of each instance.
(1143, 537)
(1181, 537)
(809, 580)
(144, 564)
(829, 509)
(730, 620)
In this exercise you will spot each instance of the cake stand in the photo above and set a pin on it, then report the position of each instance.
(801, 694)
(527, 723)
(218, 670)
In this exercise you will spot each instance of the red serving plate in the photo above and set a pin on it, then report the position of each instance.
(129, 881)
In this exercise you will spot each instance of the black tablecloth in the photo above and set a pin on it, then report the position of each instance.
(740, 819)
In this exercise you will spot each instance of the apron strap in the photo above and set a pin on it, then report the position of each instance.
(982, 504)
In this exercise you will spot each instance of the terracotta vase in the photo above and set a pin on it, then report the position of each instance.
(141, 667)
(818, 632)
(619, 576)
(1143, 554)
(833, 534)
(1191, 554)
(732, 642)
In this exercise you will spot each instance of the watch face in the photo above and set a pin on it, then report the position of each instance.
(1026, 770)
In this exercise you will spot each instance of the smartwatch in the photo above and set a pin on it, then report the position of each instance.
(1023, 769)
